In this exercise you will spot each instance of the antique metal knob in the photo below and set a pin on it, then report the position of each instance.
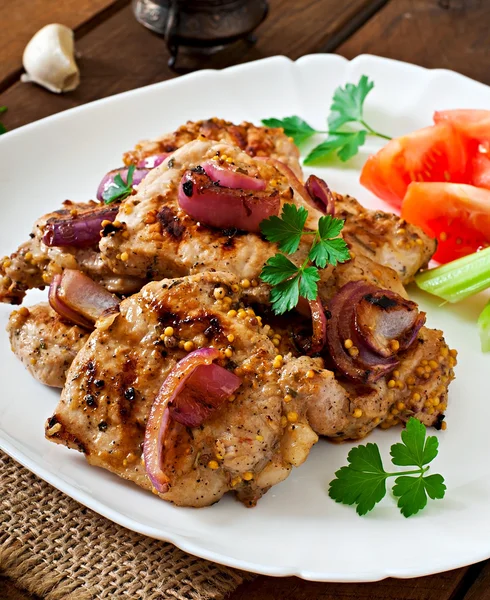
(202, 25)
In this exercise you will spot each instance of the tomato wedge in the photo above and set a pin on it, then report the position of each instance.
(474, 127)
(434, 153)
(458, 215)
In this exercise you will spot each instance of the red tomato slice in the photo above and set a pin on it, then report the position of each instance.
(474, 126)
(472, 123)
(458, 215)
(434, 153)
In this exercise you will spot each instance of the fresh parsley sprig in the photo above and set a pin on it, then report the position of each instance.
(119, 189)
(347, 108)
(3, 129)
(289, 281)
(363, 481)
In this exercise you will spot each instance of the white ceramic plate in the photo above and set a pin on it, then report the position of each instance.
(295, 529)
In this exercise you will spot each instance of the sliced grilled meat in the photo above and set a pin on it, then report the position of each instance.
(253, 440)
(385, 238)
(45, 343)
(255, 141)
(34, 263)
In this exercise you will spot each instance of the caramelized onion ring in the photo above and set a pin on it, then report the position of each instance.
(191, 392)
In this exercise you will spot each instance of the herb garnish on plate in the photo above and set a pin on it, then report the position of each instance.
(347, 108)
(363, 481)
(289, 281)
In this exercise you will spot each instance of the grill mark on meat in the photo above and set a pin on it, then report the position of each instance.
(239, 137)
(383, 302)
(170, 223)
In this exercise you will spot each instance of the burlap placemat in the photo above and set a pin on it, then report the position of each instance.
(53, 547)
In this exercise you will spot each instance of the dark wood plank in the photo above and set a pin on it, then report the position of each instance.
(450, 34)
(22, 18)
(480, 590)
(120, 54)
(437, 587)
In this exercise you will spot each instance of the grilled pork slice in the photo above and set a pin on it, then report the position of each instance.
(255, 141)
(385, 238)
(247, 446)
(156, 238)
(34, 264)
(45, 343)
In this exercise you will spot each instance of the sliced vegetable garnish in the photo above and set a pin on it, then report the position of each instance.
(484, 328)
(458, 279)
(458, 215)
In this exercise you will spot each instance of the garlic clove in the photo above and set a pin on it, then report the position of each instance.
(49, 59)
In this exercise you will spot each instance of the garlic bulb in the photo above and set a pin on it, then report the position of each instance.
(49, 59)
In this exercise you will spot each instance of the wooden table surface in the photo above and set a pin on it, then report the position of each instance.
(117, 54)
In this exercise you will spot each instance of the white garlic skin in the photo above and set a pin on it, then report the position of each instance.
(49, 59)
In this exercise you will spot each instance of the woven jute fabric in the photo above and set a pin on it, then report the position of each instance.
(53, 547)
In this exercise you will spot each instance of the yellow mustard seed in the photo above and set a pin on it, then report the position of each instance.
(348, 344)
(235, 288)
(27, 256)
(391, 383)
(276, 342)
(236, 480)
(188, 346)
(284, 421)
(394, 411)
(357, 414)
(24, 311)
(248, 476)
(231, 398)
(124, 256)
(213, 464)
(310, 374)
(288, 398)
(228, 352)
(259, 438)
(292, 416)
(232, 313)
(400, 406)
(230, 338)
(169, 331)
(254, 283)
(219, 293)
(250, 312)
(395, 345)
(245, 283)
(444, 426)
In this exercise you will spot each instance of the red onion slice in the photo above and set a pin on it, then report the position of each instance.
(204, 392)
(360, 364)
(387, 322)
(174, 401)
(319, 326)
(231, 178)
(79, 299)
(152, 161)
(225, 208)
(320, 195)
(108, 180)
(63, 309)
(78, 231)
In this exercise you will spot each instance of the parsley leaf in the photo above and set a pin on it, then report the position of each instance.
(344, 144)
(118, 189)
(325, 249)
(413, 451)
(287, 229)
(294, 127)
(348, 103)
(363, 481)
(277, 269)
(289, 282)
